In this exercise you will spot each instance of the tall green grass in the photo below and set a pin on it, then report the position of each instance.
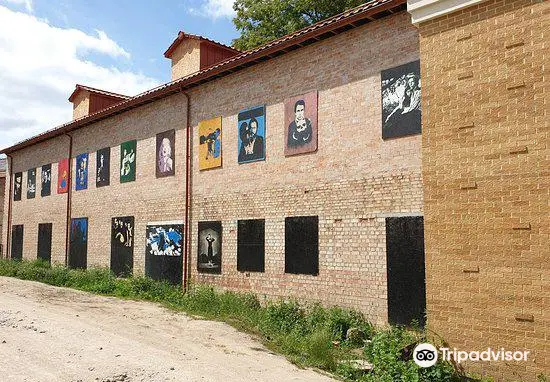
(308, 335)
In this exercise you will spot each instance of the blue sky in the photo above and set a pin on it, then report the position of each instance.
(143, 28)
(48, 46)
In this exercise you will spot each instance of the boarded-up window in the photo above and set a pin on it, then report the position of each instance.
(44, 250)
(78, 248)
(122, 245)
(17, 242)
(406, 270)
(302, 245)
(251, 245)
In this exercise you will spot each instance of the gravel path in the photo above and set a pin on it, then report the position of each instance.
(58, 334)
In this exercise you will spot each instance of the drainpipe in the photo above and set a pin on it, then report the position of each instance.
(186, 228)
(69, 188)
(10, 201)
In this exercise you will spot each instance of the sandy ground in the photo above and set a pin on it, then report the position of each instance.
(57, 334)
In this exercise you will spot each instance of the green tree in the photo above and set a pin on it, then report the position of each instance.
(261, 21)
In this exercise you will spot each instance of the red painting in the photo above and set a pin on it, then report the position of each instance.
(63, 176)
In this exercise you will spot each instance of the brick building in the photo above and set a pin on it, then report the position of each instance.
(207, 178)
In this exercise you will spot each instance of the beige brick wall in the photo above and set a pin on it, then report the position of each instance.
(186, 59)
(486, 164)
(49, 209)
(81, 104)
(353, 182)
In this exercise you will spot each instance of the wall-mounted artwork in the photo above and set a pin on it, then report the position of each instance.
(46, 180)
(63, 176)
(128, 161)
(31, 183)
(165, 153)
(81, 178)
(401, 112)
(122, 245)
(163, 254)
(78, 248)
(251, 125)
(210, 247)
(301, 124)
(210, 143)
(103, 167)
(17, 186)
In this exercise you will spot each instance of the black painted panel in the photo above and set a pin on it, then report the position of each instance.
(103, 167)
(17, 186)
(406, 270)
(46, 180)
(251, 245)
(209, 247)
(122, 245)
(78, 248)
(302, 245)
(17, 242)
(44, 250)
(164, 252)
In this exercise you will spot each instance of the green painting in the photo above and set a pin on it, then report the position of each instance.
(128, 161)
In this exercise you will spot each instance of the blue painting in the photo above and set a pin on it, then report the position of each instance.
(81, 178)
(163, 254)
(251, 125)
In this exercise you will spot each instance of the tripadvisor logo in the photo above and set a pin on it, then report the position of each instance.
(426, 355)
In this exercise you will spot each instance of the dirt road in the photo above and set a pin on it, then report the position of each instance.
(57, 334)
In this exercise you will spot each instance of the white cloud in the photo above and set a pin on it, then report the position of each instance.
(217, 9)
(39, 68)
(26, 3)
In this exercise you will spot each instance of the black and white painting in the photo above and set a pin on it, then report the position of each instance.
(164, 251)
(122, 245)
(165, 153)
(46, 180)
(103, 167)
(401, 111)
(31, 183)
(210, 247)
(17, 186)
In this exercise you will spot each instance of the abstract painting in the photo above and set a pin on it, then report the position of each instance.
(128, 161)
(164, 250)
(122, 245)
(81, 177)
(210, 247)
(31, 183)
(46, 180)
(17, 186)
(401, 111)
(78, 248)
(103, 167)
(210, 143)
(165, 153)
(301, 124)
(63, 176)
(251, 125)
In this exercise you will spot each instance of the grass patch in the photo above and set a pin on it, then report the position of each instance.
(308, 335)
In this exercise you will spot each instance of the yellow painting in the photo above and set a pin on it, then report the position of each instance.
(210, 143)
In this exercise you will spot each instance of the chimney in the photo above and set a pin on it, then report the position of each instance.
(87, 100)
(191, 53)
